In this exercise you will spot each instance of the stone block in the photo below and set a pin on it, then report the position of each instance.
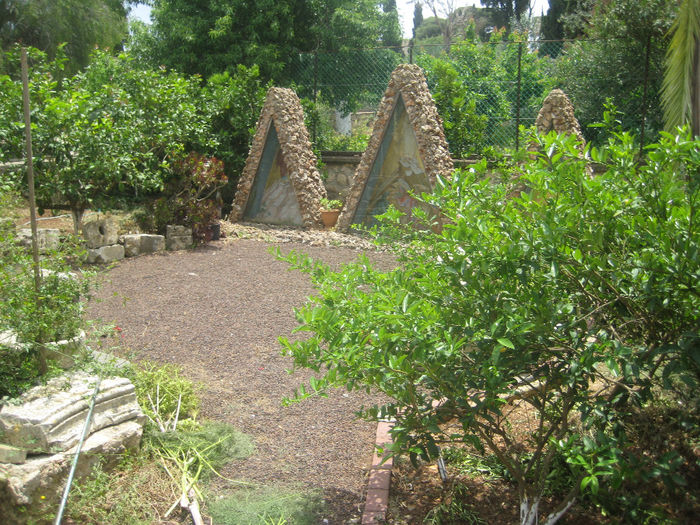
(100, 232)
(47, 238)
(10, 454)
(63, 352)
(42, 479)
(175, 230)
(105, 254)
(178, 237)
(49, 418)
(141, 243)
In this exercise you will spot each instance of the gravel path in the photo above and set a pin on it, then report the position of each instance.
(217, 311)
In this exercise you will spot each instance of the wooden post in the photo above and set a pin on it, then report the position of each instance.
(32, 200)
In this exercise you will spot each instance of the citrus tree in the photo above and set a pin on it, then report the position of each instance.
(552, 294)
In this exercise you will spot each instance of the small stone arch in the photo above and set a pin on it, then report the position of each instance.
(407, 118)
(280, 183)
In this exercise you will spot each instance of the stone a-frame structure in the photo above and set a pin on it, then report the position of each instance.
(557, 114)
(280, 183)
(405, 155)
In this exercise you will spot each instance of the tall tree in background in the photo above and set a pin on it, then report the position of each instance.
(80, 24)
(417, 17)
(553, 26)
(611, 62)
(505, 10)
(449, 17)
(680, 93)
(212, 36)
(391, 32)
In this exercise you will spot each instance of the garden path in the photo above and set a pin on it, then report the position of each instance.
(217, 311)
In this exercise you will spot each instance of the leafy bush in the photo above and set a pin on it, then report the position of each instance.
(54, 314)
(567, 294)
(476, 93)
(194, 198)
(163, 387)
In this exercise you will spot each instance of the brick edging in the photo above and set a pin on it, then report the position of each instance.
(379, 482)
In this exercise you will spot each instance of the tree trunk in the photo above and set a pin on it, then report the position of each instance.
(77, 213)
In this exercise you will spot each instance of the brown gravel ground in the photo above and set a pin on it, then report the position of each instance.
(217, 311)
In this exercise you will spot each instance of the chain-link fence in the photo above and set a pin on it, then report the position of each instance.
(486, 91)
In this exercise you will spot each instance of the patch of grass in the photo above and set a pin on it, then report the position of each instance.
(160, 388)
(268, 505)
(454, 510)
(138, 492)
(470, 464)
(215, 443)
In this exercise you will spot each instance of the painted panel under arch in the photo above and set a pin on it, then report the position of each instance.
(397, 172)
(272, 198)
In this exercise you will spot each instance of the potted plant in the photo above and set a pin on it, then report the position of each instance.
(330, 210)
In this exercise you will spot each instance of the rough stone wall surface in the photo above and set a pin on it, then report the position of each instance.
(283, 110)
(557, 113)
(407, 81)
(339, 176)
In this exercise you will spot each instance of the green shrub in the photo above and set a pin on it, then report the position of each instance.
(161, 387)
(54, 314)
(216, 444)
(535, 289)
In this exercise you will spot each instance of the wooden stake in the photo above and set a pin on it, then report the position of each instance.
(32, 200)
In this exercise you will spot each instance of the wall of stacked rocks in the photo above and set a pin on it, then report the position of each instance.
(557, 114)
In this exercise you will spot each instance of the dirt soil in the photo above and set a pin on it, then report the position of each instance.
(218, 311)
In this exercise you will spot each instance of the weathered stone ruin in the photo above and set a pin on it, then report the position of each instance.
(557, 114)
(405, 155)
(39, 434)
(178, 237)
(280, 183)
(102, 239)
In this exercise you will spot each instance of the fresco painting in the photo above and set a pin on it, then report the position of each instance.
(272, 198)
(397, 174)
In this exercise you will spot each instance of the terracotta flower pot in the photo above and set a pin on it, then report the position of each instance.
(329, 217)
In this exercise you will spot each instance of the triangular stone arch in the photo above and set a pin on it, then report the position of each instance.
(280, 183)
(557, 114)
(406, 153)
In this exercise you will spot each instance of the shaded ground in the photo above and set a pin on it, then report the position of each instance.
(218, 311)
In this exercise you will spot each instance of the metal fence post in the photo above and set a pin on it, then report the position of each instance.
(517, 108)
(644, 95)
(313, 126)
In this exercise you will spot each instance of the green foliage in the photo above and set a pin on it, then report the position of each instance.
(166, 384)
(681, 70)
(135, 492)
(455, 509)
(475, 93)
(275, 504)
(535, 289)
(214, 444)
(331, 204)
(612, 64)
(464, 127)
(356, 141)
(234, 101)
(79, 25)
(207, 37)
(54, 314)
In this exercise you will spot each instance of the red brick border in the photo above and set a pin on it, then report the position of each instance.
(379, 482)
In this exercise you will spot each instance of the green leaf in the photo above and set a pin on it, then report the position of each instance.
(506, 342)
